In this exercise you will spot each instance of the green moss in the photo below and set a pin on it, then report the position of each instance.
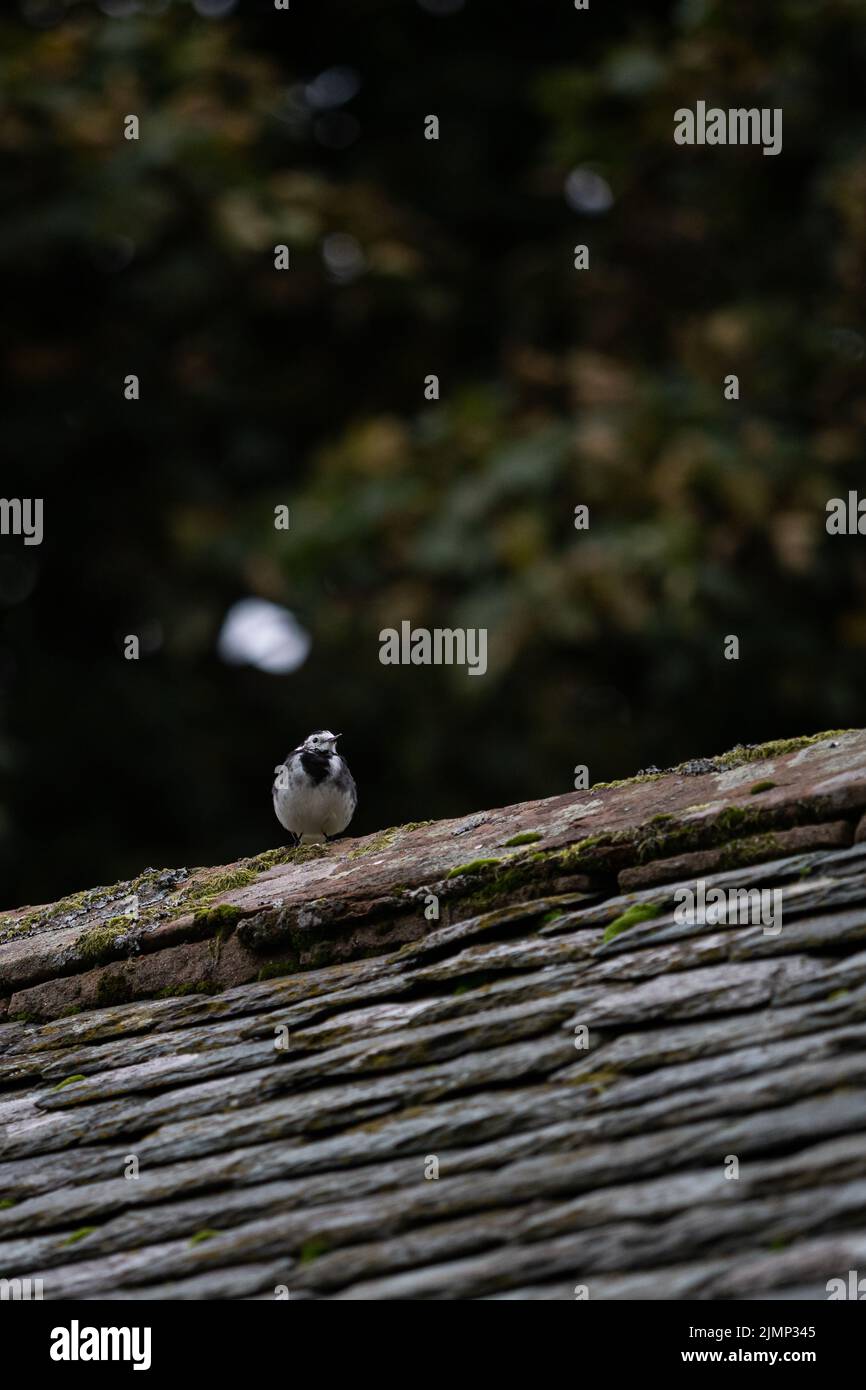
(112, 988)
(269, 858)
(6, 1203)
(304, 853)
(639, 912)
(119, 924)
(223, 916)
(95, 900)
(283, 854)
(23, 1018)
(313, 1250)
(739, 819)
(600, 1079)
(502, 879)
(100, 944)
(526, 837)
(461, 989)
(74, 902)
(277, 968)
(627, 781)
(184, 990)
(322, 953)
(416, 824)
(220, 883)
(12, 929)
(662, 844)
(374, 843)
(495, 891)
(70, 1010)
(79, 1235)
(735, 757)
(752, 850)
(69, 1080)
(745, 834)
(474, 866)
(761, 787)
(217, 922)
(201, 1236)
(236, 878)
(581, 848)
(776, 748)
(838, 994)
(732, 823)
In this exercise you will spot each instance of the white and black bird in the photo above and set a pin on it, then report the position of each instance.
(314, 791)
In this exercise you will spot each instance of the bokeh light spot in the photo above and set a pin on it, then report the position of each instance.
(258, 633)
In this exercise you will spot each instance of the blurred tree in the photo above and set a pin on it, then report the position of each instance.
(305, 388)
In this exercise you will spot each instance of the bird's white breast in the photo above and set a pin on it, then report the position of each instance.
(310, 809)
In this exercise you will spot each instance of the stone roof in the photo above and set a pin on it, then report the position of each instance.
(287, 1049)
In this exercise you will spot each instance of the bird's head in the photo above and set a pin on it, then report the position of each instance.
(322, 741)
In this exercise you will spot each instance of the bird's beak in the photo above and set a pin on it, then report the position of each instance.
(336, 736)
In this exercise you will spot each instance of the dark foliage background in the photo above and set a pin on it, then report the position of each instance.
(306, 388)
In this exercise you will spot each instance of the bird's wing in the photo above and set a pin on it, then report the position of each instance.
(348, 781)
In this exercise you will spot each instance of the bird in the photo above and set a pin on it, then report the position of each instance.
(314, 792)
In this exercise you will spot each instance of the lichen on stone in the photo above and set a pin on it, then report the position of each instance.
(723, 762)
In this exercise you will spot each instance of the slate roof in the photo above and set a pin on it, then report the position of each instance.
(156, 1042)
